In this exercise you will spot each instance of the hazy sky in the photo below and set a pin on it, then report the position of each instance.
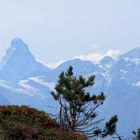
(61, 29)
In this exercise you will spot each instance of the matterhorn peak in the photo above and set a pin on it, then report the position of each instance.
(18, 44)
(17, 52)
(19, 63)
(17, 48)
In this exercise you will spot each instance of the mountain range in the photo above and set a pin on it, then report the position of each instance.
(24, 80)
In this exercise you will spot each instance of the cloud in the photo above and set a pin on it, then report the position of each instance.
(98, 56)
(54, 65)
(112, 53)
(89, 57)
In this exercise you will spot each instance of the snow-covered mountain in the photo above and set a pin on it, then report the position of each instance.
(124, 91)
(23, 80)
(18, 63)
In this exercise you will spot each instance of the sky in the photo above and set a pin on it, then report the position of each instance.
(61, 29)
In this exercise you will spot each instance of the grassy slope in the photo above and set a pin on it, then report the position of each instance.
(25, 123)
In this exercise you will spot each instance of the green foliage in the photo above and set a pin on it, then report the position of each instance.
(109, 129)
(78, 106)
(26, 123)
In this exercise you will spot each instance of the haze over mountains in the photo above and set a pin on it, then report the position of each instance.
(24, 80)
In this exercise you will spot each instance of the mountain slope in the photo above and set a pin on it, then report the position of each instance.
(131, 53)
(26, 123)
(80, 68)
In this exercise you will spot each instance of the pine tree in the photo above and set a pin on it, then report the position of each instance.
(136, 135)
(78, 106)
